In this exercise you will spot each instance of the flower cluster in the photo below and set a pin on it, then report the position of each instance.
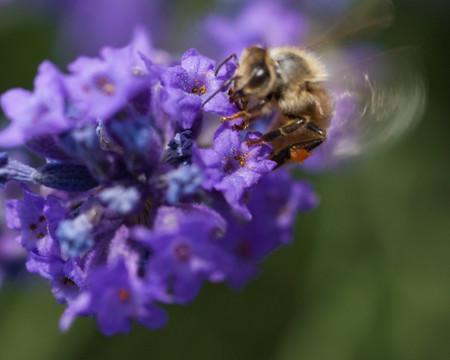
(134, 211)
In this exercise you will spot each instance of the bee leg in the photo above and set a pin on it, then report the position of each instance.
(291, 127)
(284, 130)
(246, 122)
(240, 114)
(298, 152)
(317, 130)
(275, 134)
(248, 115)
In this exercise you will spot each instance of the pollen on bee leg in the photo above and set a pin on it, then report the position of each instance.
(299, 155)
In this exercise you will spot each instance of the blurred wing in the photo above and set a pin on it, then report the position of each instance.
(376, 101)
(366, 18)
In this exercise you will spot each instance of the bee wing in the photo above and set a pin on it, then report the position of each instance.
(376, 101)
(364, 19)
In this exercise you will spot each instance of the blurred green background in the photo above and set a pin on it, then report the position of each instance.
(367, 276)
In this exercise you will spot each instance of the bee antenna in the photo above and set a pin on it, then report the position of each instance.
(225, 61)
(223, 86)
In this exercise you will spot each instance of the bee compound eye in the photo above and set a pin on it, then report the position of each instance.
(260, 77)
(260, 72)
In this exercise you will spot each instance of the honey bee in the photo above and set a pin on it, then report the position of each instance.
(368, 103)
(291, 81)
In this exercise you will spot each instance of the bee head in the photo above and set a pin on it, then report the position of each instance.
(255, 74)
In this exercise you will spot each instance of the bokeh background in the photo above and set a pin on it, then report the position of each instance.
(367, 276)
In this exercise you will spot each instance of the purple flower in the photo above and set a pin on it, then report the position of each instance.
(233, 167)
(183, 88)
(117, 297)
(265, 23)
(168, 218)
(186, 254)
(99, 87)
(44, 257)
(274, 203)
(42, 111)
(66, 277)
(87, 25)
(120, 248)
(276, 200)
(27, 216)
